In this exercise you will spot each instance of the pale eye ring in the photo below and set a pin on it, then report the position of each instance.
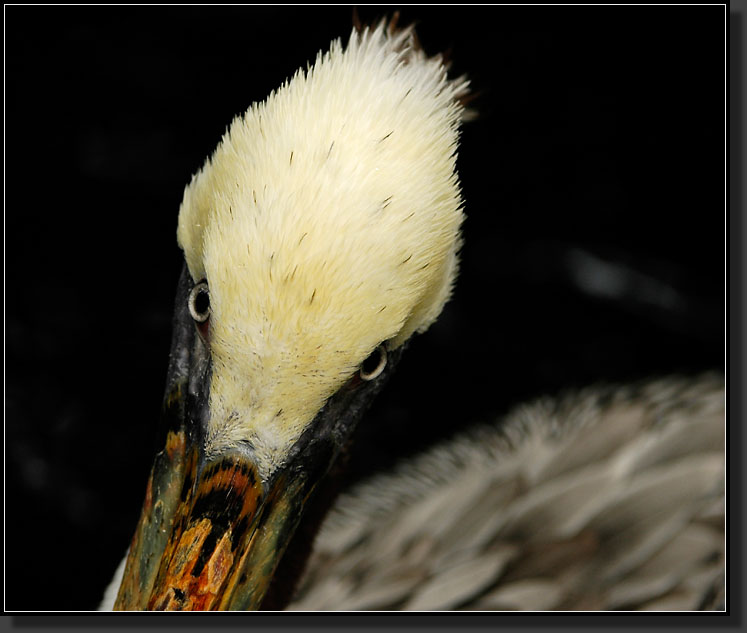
(373, 366)
(199, 302)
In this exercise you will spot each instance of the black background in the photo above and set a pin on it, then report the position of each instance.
(594, 244)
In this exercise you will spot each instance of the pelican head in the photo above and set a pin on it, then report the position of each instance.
(319, 237)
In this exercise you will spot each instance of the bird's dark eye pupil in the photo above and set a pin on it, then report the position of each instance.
(202, 302)
(374, 364)
(371, 363)
(199, 302)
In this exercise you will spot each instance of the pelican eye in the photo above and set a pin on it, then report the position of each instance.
(374, 364)
(199, 302)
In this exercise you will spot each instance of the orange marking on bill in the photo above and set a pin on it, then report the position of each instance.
(219, 565)
(175, 444)
(216, 518)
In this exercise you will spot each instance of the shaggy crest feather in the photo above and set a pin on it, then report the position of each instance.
(325, 223)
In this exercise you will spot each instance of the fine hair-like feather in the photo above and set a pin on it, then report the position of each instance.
(326, 223)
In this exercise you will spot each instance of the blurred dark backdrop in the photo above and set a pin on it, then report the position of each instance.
(594, 245)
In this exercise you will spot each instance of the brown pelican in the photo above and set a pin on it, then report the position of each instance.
(320, 236)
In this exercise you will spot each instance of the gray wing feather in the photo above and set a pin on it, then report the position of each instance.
(609, 498)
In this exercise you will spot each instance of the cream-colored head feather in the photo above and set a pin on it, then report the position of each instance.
(326, 222)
